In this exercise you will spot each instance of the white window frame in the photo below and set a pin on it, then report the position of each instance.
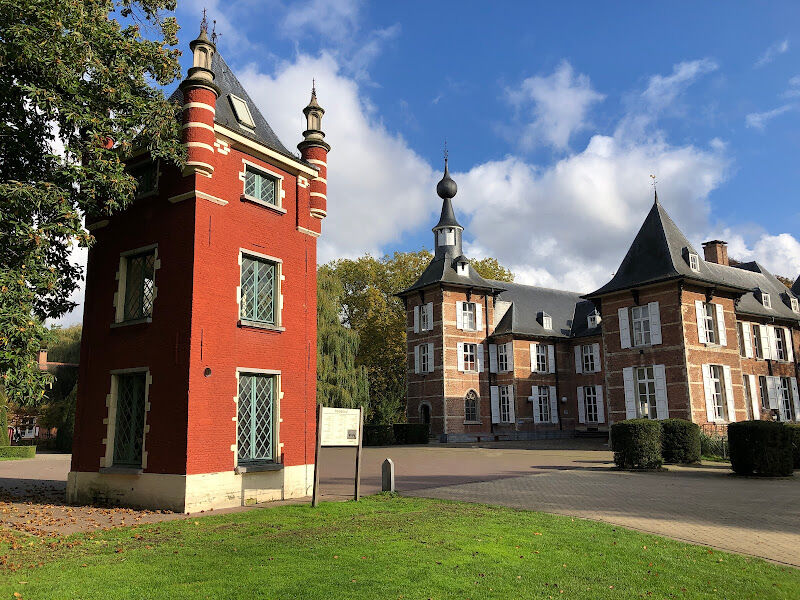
(766, 300)
(277, 445)
(547, 321)
(472, 396)
(758, 345)
(781, 352)
(786, 408)
(424, 359)
(719, 399)
(794, 304)
(542, 358)
(543, 404)
(506, 398)
(107, 461)
(593, 320)
(642, 336)
(589, 359)
(122, 282)
(278, 179)
(241, 111)
(709, 323)
(645, 375)
(694, 261)
(590, 393)
(470, 349)
(469, 316)
(278, 300)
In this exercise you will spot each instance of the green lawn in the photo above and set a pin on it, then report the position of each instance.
(381, 547)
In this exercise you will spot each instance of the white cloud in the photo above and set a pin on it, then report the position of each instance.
(794, 88)
(334, 19)
(759, 120)
(561, 102)
(773, 52)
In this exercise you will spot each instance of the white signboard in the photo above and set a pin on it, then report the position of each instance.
(339, 426)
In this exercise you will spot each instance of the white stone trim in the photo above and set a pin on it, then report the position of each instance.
(271, 154)
(277, 447)
(322, 179)
(308, 232)
(197, 124)
(121, 278)
(315, 161)
(319, 195)
(318, 213)
(203, 145)
(269, 173)
(198, 194)
(199, 105)
(107, 460)
(198, 163)
(222, 146)
(302, 181)
(281, 278)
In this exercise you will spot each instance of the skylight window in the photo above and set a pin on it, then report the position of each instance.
(241, 111)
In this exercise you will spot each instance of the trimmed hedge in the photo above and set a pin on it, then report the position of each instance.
(680, 441)
(760, 447)
(378, 435)
(411, 433)
(636, 444)
(795, 431)
(17, 451)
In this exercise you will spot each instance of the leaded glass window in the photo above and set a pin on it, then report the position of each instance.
(129, 422)
(146, 176)
(258, 290)
(255, 419)
(471, 407)
(140, 277)
(260, 187)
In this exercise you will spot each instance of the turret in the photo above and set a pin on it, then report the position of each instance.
(200, 95)
(447, 232)
(314, 149)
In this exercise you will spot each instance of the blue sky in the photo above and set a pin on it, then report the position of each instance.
(555, 115)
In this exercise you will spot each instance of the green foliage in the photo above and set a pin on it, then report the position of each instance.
(794, 429)
(489, 268)
(378, 435)
(340, 382)
(4, 441)
(371, 309)
(713, 447)
(17, 451)
(636, 444)
(64, 345)
(760, 447)
(412, 433)
(66, 428)
(74, 75)
(680, 441)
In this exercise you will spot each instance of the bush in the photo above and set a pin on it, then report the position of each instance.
(378, 435)
(411, 433)
(794, 430)
(680, 441)
(636, 444)
(4, 441)
(761, 447)
(17, 451)
(63, 441)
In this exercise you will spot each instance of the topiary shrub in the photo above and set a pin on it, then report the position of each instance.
(680, 441)
(794, 430)
(411, 433)
(636, 444)
(378, 435)
(760, 447)
(17, 451)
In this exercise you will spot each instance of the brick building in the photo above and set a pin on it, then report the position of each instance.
(673, 334)
(197, 371)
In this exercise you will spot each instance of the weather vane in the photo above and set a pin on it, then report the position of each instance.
(204, 22)
(214, 34)
(445, 149)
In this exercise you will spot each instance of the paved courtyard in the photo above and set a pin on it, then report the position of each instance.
(703, 504)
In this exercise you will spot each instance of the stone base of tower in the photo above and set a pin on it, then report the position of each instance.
(189, 493)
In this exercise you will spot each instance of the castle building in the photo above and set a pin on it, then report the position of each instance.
(673, 334)
(198, 357)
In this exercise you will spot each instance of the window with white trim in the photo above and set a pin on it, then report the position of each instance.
(748, 399)
(129, 419)
(694, 261)
(590, 402)
(763, 388)
(504, 392)
(541, 358)
(470, 357)
(471, 407)
(766, 300)
(709, 323)
(780, 344)
(543, 404)
(593, 320)
(260, 186)
(646, 392)
(502, 358)
(740, 330)
(259, 297)
(424, 318)
(794, 304)
(587, 352)
(547, 321)
(640, 319)
(424, 359)
(785, 398)
(255, 418)
(138, 287)
(468, 314)
(719, 402)
(758, 348)
(241, 111)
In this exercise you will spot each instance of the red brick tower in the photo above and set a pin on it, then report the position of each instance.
(197, 384)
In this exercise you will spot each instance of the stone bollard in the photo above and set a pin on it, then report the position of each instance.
(387, 476)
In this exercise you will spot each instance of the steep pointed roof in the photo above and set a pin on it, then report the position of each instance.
(448, 217)
(659, 252)
(442, 270)
(796, 287)
(229, 86)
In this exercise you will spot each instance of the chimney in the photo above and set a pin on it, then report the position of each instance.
(716, 251)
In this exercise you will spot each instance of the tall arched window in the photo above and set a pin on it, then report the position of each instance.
(471, 412)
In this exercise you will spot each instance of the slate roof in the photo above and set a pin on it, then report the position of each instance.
(755, 277)
(442, 270)
(229, 84)
(796, 287)
(568, 311)
(448, 218)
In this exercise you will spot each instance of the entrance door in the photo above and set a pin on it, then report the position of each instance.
(425, 414)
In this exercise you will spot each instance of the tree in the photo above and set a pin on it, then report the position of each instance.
(64, 345)
(76, 99)
(4, 441)
(370, 308)
(340, 382)
(489, 268)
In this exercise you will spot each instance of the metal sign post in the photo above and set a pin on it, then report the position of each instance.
(338, 428)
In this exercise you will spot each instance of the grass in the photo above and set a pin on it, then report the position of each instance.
(382, 547)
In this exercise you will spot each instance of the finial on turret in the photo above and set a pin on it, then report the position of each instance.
(655, 191)
(204, 23)
(446, 188)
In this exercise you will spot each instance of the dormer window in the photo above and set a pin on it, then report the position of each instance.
(460, 265)
(593, 320)
(793, 303)
(694, 261)
(546, 320)
(766, 300)
(241, 111)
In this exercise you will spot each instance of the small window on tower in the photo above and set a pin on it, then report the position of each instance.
(241, 111)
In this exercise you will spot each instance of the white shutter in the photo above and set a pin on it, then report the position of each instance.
(699, 309)
(630, 395)
(429, 310)
(795, 399)
(624, 328)
(551, 358)
(601, 413)
(553, 405)
(512, 403)
(772, 391)
(460, 350)
(723, 334)
(773, 344)
(596, 354)
(751, 382)
(578, 359)
(534, 400)
(495, 401)
(492, 358)
(416, 359)
(729, 393)
(430, 357)
(581, 407)
(459, 315)
(787, 335)
(480, 358)
(748, 340)
(478, 316)
(655, 323)
(764, 335)
(416, 319)
(510, 355)
(662, 406)
(533, 357)
(709, 390)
